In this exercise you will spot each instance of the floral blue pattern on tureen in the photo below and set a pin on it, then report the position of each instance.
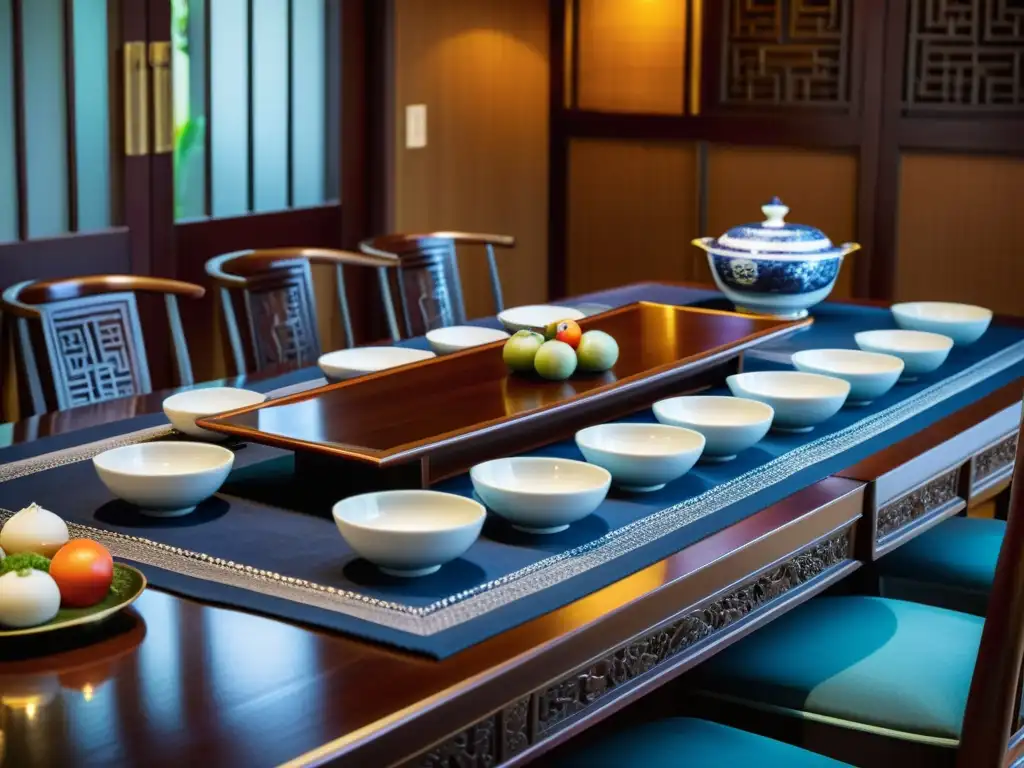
(775, 267)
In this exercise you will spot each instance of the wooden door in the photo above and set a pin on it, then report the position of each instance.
(258, 141)
(146, 136)
(74, 162)
(74, 172)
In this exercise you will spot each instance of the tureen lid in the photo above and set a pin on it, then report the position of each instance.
(775, 234)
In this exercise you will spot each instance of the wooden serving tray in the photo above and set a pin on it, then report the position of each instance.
(414, 425)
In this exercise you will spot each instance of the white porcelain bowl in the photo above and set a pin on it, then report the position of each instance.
(166, 478)
(921, 351)
(184, 408)
(871, 374)
(800, 400)
(444, 341)
(540, 495)
(641, 457)
(536, 316)
(963, 323)
(729, 424)
(359, 361)
(409, 533)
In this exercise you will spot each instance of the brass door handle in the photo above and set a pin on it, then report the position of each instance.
(136, 100)
(163, 107)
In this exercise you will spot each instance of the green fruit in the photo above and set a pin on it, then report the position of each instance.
(526, 334)
(597, 351)
(520, 350)
(555, 360)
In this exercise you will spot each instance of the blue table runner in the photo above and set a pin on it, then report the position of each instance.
(299, 568)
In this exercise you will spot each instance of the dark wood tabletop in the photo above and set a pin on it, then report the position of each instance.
(173, 681)
(85, 416)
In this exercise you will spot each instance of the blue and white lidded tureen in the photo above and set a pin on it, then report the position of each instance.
(775, 268)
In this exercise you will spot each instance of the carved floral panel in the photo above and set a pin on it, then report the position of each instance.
(580, 690)
(995, 459)
(907, 509)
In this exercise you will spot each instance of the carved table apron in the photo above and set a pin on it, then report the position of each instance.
(617, 646)
(958, 462)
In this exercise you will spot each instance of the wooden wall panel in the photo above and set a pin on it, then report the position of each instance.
(632, 213)
(631, 55)
(819, 187)
(959, 230)
(481, 67)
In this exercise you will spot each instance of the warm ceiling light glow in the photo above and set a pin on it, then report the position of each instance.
(30, 711)
(87, 692)
(631, 55)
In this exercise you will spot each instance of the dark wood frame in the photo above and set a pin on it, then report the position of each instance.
(875, 127)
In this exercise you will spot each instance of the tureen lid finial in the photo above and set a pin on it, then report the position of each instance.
(775, 212)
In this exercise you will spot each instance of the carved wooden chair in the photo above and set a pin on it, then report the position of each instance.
(276, 286)
(427, 277)
(951, 565)
(91, 336)
(866, 680)
(878, 681)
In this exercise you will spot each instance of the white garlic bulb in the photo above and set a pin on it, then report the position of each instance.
(28, 598)
(34, 529)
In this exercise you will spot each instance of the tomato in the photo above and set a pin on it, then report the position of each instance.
(569, 332)
(83, 570)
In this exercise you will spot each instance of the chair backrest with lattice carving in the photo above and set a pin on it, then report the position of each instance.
(91, 337)
(281, 311)
(427, 276)
(276, 287)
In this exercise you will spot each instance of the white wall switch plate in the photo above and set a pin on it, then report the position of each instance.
(415, 126)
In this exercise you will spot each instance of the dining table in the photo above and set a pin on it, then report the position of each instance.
(193, 672)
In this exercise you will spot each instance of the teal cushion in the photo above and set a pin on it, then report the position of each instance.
(684, 741)
(867, 662)
(957, 555)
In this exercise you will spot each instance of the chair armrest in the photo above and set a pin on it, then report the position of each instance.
(475, 238)
(23, 298)
(233, 270)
